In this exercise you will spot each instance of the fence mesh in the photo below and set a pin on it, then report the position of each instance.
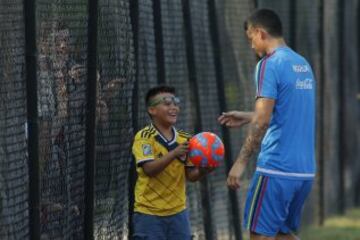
(238, 63)
(351, 98)
(174, 48)
(116, 75)
(331, 106)
(147, 76)
(307, 26)
(14, 177)
(140, 44)
(209, 105)
(62, 45)
(177, 75)
(285, 11)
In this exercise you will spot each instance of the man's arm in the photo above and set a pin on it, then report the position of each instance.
(258, 127)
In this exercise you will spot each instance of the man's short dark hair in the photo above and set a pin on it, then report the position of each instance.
(267, 19)
(156, 90)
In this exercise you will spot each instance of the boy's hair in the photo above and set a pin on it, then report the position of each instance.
(156, 90)
(266, 19)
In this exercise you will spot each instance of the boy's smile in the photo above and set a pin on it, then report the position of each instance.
(164, 108)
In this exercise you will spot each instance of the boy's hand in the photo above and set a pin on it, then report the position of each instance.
(196, 173)
(181, 150)
(206, 170)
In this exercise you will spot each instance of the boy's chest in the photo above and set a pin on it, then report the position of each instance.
(161, 149)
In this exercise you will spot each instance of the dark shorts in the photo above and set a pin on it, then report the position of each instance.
(150, 227)
(274, 205)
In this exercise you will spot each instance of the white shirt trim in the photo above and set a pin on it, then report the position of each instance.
(174, 137)
(163, 138)
(145, 160)
(172, 141)
(280, 173)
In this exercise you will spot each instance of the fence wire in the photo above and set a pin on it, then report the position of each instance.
(116, 75)
(141, 44)
(14, 174)
(62, 74)
(177, 74)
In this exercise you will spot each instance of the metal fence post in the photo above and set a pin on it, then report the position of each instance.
(234, 202)
(134, 15)
(205, 195)
(32, 116)
(160, 61)
(357, 190)
(90, 120)
(341, 110)
(293, 14)
(320, 121)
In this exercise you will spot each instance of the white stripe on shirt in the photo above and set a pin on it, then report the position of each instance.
(145, 160)
(275, 172)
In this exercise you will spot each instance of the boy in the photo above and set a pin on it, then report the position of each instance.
(283, 122)
(160, 153)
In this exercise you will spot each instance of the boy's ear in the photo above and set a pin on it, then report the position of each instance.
(151, 110)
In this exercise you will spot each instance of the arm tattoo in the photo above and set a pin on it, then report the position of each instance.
(252, 142)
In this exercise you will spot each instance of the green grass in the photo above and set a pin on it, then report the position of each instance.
(345, 227)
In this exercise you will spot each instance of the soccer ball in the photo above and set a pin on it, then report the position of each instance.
(206, 150)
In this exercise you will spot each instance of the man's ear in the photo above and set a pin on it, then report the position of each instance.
(263, 34)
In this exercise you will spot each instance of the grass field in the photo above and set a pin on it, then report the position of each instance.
(345, 227)
(336, 228)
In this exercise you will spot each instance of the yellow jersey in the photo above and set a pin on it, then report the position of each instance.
(163, 194)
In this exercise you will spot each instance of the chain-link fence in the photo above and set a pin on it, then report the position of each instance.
(200, 48)
(14, 171)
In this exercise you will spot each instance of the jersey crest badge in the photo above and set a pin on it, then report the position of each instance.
(147, 150)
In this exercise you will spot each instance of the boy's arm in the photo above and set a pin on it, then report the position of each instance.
(152, 168)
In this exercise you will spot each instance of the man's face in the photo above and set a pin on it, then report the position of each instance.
(256, 37)
(164, 107)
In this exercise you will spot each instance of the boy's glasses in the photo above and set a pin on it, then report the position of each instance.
(165, 100)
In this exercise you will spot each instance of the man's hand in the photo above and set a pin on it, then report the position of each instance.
(235, 175)
(235, 118)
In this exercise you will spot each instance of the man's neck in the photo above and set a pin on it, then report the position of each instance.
(274, 43)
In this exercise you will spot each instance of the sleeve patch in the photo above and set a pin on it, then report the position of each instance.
(147, 149)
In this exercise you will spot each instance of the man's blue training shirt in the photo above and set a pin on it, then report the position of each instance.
(288, 147)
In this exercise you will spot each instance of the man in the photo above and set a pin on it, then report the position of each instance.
(284, 123)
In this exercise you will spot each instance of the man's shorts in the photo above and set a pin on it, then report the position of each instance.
(150, 227)
(274, 205)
